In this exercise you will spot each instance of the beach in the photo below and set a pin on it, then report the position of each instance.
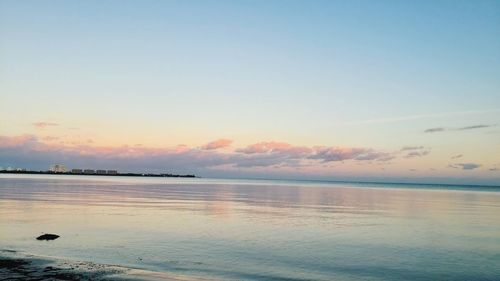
(18, 266)
(210, 229)
(21, 266)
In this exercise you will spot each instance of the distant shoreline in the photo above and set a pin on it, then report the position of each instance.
(105, 175)
(457, 186)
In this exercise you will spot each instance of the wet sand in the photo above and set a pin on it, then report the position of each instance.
(21, 266)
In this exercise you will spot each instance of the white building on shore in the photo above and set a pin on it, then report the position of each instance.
(58, 168)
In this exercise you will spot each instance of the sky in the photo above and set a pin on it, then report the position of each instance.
(347, 90)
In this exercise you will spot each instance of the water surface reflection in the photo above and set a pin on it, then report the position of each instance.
(258, 231)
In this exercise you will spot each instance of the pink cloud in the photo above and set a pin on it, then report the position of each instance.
(14, 141)
(274, 147)
(6, 141)
(262, 155)
(50, 138)
(220, 143)
(43, 125)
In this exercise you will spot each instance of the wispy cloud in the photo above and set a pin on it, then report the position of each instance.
(406, 148)
(423, 116)
(435, 130)
(456, 156)
(495, 168)
(473, 127)
(415, 151)
(220, 143)
(43, 125)
(329, 154)
(465, 166)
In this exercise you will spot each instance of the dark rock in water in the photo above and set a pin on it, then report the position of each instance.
(47, 237)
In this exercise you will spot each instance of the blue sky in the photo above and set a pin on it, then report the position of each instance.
(342, 74)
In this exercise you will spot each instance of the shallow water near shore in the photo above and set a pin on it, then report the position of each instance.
(258, 230)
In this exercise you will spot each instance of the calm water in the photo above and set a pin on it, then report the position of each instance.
(258, 230)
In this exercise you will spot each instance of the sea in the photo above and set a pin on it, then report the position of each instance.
(258, 229)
